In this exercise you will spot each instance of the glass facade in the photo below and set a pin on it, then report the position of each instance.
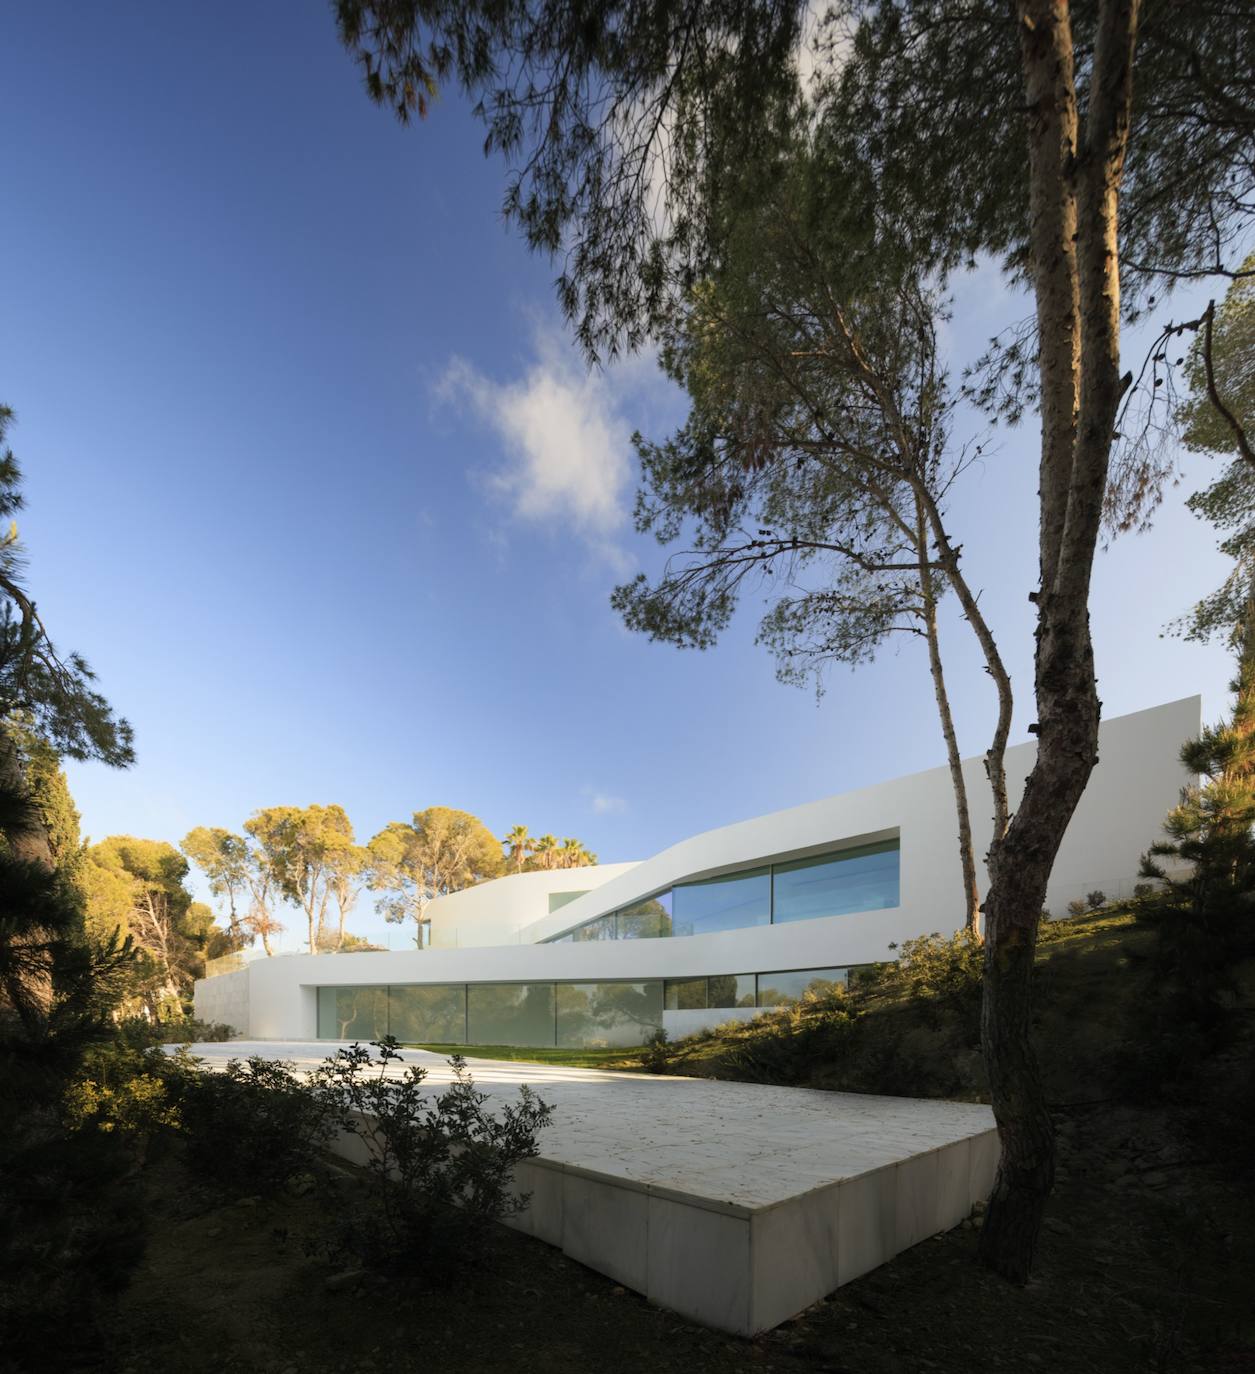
(617, 1013)
(701, 994)
(352, 1013)
(434, 1014)
(859, 878)
(685, 994)
(730, 903)
(510, 1014)
(863, 879)
(777, 989)
(600, 929)
(731, 990)
(648, 920)
(608, 1014)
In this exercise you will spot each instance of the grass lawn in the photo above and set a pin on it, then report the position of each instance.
(570, 1058)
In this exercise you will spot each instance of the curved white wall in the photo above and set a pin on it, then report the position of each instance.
(497, 913)
(1137, 780)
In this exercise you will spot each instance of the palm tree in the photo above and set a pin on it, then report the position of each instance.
(545, 852)
(574, 855)
(519, 846)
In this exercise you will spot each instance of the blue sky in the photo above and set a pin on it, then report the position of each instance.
(318, 486)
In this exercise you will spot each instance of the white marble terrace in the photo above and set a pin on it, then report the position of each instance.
(733, 1204)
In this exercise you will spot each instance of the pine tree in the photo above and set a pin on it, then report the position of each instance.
(1206, 863)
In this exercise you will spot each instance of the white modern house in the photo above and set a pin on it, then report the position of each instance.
(718, 926)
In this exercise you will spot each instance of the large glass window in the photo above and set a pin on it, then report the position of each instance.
(730, 990)
(433, 1014)
(352, 1013)
(730, 903)
(648, 920)
(776, 989)
(608, 1014)
(510, 1014)
(600, 929)
(863, 879)
(686, 994)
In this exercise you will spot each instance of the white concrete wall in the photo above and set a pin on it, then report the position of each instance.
(1136, 782)
(224, 999)
(495, 913)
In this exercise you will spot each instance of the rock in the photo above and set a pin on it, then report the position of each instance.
(214, 1231)
(1060, 1228)
(979, 1208)
(340, 1283)
(618, 1291)
(1154, 1179)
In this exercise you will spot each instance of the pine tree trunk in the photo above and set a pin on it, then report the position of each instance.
(1019, 872)
(967, 858)
(1073, 193)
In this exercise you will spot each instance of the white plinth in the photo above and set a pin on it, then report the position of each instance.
(733, 1204)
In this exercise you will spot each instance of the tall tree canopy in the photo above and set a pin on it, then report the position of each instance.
(137, 888)
(1219, 419)
(816, 457)
(52, 692)
(441, 850)
(241, 872)
(56, 986)
(226, 861)
(305, 851)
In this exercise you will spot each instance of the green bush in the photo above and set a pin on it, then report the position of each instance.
(250, 1127)
(71, 1232)
(942, 973)
(658, 1052)
(141, 1033)
(439, 1168)
(122, 1091)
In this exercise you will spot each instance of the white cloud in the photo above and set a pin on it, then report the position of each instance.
(604, 805)
(566, 448)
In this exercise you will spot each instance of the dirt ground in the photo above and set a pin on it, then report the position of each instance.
(1151, 1271)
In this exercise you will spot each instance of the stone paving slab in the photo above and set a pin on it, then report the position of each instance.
(800, 1190)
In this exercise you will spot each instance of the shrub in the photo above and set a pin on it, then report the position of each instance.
(135, 1104)
(944, 971)
(71, 1231)
(250, 1127)
(1096, 900)
(141, 1033)
(439, 1167)
(658, 1051)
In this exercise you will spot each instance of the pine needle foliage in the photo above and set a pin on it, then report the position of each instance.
(1206, 861)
